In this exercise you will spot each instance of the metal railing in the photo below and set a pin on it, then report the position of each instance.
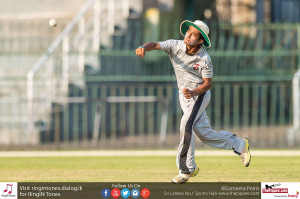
(252, 83)
(49, 77)
(259, 109)
(52, 74)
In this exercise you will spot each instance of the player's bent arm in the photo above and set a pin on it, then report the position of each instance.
(199, 90)
(140, 51)
(207, 83)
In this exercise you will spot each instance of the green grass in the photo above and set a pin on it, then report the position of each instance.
(146, 169)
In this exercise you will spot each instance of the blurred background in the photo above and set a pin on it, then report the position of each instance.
(80, 84)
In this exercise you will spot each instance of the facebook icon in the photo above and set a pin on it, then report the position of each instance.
(105, 193)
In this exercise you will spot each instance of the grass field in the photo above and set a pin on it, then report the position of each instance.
(146, 169)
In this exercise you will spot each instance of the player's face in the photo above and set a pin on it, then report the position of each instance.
(192, 36)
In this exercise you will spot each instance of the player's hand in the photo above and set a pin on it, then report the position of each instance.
(140, 52)
(188, 94)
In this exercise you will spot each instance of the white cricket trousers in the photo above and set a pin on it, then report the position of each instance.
(195, 122)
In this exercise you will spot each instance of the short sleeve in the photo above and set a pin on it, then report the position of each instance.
(207, 69)
(168, 45)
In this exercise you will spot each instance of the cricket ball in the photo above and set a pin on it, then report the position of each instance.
(52, 22)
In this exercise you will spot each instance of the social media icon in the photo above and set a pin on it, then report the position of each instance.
(135, 193)
(115, 193)
(125, 193)
(105, 193)
(145, 193)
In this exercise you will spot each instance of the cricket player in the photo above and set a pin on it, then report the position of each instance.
(193, 69)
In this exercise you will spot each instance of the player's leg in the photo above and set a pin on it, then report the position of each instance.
(186, 165)
(185, 156)
(222, 139)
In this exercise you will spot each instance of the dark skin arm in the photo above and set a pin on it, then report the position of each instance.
(199, 90)
(147, 47)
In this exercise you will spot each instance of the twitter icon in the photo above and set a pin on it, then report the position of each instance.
(125, 193)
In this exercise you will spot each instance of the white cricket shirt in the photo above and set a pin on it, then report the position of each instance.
(189, 69)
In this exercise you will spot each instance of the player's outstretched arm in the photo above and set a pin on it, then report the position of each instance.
(140, 51)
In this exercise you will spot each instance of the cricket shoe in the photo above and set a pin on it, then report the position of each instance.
(183, 178)
(246, 155)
